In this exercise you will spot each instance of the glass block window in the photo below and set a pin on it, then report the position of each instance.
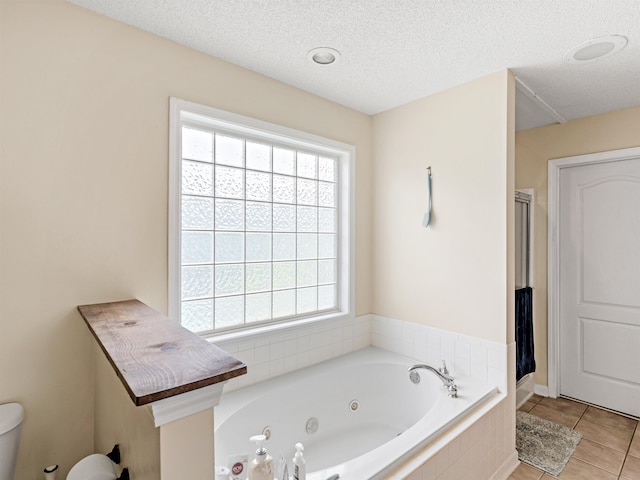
(259, 229)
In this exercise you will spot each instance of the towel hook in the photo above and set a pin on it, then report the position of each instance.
(426, 220)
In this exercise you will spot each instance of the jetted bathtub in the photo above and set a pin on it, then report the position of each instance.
(358, 416)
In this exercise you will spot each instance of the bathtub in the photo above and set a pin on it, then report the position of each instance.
(358, 416)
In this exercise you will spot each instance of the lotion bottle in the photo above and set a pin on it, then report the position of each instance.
(299, 468)
(261, 467)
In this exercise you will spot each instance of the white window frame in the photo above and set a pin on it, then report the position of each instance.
(241, 125)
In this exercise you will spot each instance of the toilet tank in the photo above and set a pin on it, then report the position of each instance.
(11, 415)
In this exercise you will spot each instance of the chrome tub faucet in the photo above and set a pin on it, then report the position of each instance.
(447, 380)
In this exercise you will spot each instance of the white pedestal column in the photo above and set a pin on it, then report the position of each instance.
(187, 433)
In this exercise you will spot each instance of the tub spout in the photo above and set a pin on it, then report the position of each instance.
(447, 380)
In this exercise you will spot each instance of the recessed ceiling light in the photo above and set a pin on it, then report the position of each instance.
(596, 49)
(324, 55)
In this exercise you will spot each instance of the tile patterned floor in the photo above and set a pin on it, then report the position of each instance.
(610, 445)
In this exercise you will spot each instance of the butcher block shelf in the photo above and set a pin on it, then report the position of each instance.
(155, 357)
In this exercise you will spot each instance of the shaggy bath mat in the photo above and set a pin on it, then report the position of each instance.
(544, 444)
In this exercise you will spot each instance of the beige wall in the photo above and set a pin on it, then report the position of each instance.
(118, 420)
(186, 447)
(458, 275)
(454, 275)
(83, 191)
(84, 125)
(534, 148)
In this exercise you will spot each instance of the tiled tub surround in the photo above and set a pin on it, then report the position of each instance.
(464, 355)
(277, 352)
(480, 446)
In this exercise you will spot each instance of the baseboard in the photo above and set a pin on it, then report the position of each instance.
(524, 390)
(541, 390)
(507, 468)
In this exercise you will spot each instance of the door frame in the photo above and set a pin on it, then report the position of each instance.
(553, 245)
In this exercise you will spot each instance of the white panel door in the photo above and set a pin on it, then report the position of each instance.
(599, 284)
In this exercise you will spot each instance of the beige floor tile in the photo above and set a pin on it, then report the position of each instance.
(631, 469)
(567, 419)
(609, 437)
(601, 453)
(599, 456)
(564, 405)
(609, 419)
(579, 470)
(527, 406)
(535, 398)
(526, 472)
(635, 445)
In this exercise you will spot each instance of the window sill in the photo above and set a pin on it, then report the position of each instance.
(247, 334)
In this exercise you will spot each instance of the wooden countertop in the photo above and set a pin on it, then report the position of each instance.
(154, 356)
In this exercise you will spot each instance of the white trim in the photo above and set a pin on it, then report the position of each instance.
(535, 98)
(175, 180)
(186, 404)
(213, 118)
(288, 327)
(554, 167)
(541, 390)
(524, 390)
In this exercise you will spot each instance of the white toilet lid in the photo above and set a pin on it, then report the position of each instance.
(11, 415)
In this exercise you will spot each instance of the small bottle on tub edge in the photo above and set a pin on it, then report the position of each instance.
(299, 468)
(223, 473)
(261, 467)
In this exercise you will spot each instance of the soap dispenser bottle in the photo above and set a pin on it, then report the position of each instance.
(299, 467)
(261, 467)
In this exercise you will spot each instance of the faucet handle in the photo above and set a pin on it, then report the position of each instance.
(443, 369)
(453, 390)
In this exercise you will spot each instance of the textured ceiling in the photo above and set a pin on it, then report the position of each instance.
(396, 51)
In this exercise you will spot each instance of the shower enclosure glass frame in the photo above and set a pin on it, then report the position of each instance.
(523, 238)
